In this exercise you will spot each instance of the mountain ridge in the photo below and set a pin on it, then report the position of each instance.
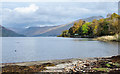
(52, 30)
(67, 26)
(4, 32)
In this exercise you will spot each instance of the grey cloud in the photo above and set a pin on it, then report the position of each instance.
(51, 14)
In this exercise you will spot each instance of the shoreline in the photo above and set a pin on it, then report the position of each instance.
(108, 64)
(53, 60)
(38, 62)
(107, 38)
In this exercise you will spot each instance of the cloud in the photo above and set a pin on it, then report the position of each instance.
(32, 8)
(51, 14)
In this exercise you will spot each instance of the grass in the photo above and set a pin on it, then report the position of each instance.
(108, 65)
(101, 69)
(119, 37)
(116, 64)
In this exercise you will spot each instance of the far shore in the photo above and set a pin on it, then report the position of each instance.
(114, 38)
(107, 38)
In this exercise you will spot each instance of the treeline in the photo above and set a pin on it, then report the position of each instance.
(101, 27)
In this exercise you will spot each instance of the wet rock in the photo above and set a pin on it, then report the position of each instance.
(99, 65)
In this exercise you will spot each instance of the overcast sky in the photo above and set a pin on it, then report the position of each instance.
(25, 14)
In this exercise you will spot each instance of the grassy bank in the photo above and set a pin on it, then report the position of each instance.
(115, 37)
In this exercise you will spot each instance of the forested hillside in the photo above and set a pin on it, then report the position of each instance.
(96, 28)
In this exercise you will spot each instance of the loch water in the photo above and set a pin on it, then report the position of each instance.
(25, 49)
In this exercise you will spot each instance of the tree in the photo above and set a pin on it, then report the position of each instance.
(85, 28)
(101, 27)
(65, 33)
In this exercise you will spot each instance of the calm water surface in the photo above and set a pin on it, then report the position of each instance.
(23, 49)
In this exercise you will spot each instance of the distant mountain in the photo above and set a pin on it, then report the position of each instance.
(32, 31)
(50, 30)
(90, 19)
(58, 29)
(4, 32)
(55, 30)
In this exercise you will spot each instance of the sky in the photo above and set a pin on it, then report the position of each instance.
(26, 14)
(59, 0)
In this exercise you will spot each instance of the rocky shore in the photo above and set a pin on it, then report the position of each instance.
(100, 65)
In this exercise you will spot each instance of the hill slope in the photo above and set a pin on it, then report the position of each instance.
(4, 32)
(58, 29)
(32, 31)
(50, 30)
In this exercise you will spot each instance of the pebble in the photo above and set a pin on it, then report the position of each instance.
(86, 66)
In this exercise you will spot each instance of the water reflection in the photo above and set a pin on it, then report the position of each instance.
(83, 39)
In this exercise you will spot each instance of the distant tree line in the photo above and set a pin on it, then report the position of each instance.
(101, 27)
